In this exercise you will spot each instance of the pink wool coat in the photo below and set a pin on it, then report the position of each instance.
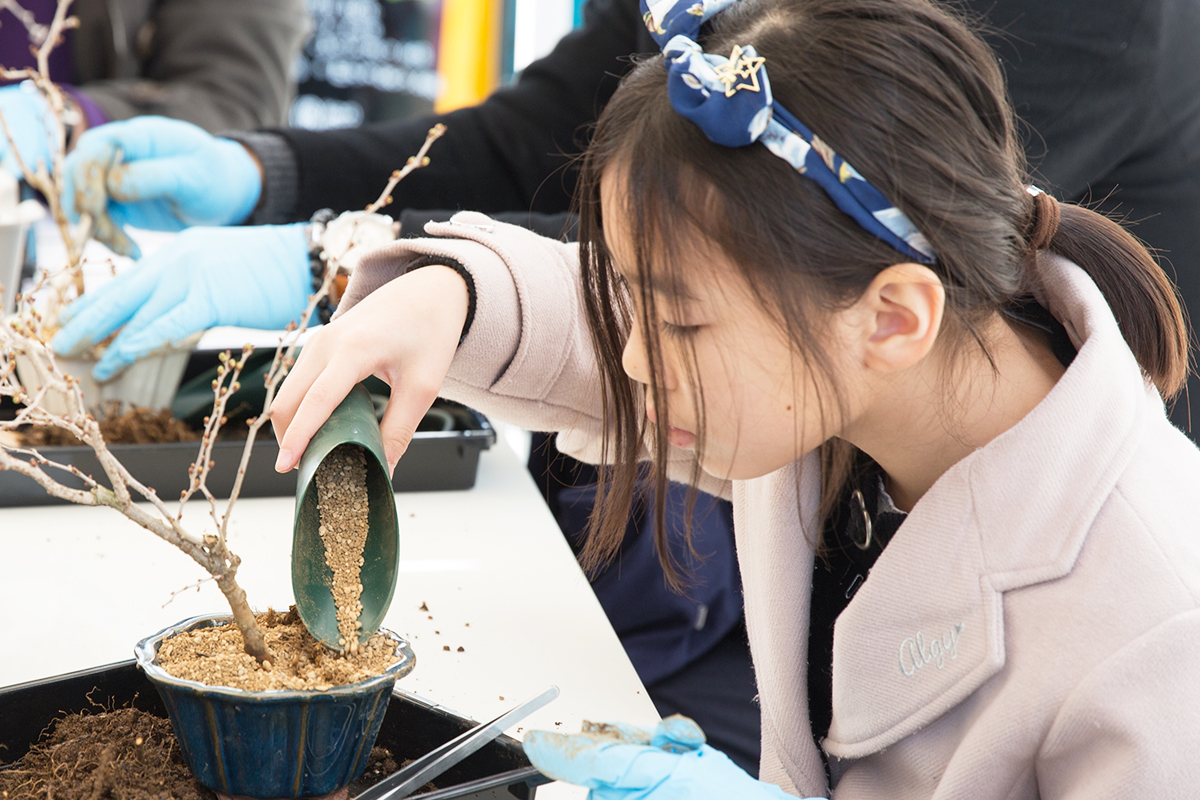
(1033, 629)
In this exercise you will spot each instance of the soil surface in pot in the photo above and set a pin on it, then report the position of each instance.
(127, 754)
(214, 656)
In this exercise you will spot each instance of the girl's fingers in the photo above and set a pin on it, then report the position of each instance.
(413, 324)
(291, 391)
(309, 365)
(410, 399)
(321, 398)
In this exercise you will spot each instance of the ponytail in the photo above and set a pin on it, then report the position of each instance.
(1140, 294)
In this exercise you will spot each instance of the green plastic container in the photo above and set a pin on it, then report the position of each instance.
(352, 422)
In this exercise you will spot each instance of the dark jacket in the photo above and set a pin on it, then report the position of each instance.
(510, 153)
(221, 64)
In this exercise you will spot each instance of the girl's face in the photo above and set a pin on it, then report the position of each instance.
(715, 337)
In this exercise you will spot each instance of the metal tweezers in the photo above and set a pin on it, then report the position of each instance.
(407, 780)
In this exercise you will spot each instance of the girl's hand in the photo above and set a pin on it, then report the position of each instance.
(621, 762)
(405, 332)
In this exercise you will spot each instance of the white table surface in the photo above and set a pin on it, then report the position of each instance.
(80, 586)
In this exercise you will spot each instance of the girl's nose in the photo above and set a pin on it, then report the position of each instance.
(633, 359)
(636, 361)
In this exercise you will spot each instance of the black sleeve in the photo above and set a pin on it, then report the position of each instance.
(512, 152)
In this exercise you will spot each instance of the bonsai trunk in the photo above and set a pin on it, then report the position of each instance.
(243, 617)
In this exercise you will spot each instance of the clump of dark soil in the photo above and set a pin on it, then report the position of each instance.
(126, 753)
(380, 764)
(136, 426)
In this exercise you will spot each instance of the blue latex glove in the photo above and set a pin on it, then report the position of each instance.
(251, 277)
(622, 762)
(24, 108)
(158, 174)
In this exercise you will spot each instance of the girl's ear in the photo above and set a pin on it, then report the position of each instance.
(902, 310)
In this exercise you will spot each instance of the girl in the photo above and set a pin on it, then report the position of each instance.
(813, 275)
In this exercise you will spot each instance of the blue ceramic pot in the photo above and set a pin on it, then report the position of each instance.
(272, 743)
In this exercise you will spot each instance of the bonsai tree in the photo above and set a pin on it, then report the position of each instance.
(27, 334)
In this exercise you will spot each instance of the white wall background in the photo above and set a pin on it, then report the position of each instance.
(539, 24)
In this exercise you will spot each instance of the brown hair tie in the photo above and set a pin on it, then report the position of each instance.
(1045, 219)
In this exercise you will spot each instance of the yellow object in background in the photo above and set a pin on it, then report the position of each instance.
(469, 47)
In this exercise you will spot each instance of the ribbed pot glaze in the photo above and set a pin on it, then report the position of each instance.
(272, 744)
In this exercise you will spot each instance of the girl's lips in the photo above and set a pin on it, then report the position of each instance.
(680, 437)
(676, 436)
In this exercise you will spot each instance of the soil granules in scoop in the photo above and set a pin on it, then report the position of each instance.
(342, 503)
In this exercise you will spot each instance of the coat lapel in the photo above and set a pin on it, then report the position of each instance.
(773, 516)
(923, 632)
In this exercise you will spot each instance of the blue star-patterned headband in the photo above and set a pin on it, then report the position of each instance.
(730, 100)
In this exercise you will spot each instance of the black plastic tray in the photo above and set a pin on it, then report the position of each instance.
(411, 728)
(436, 460)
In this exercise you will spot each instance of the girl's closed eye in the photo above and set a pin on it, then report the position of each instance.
(678, 331)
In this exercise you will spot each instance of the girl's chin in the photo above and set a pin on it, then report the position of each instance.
(732, 468)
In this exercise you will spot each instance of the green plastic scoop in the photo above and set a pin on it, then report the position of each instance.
(353, 422)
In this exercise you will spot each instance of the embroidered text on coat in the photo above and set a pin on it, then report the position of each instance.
(916, 652)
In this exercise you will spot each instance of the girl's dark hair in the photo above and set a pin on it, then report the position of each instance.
(911, 96)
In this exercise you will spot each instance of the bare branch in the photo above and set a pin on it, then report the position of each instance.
(31, 468)
(27, 336)
(285, 357)
(414, 163)
(48, 178)
(187, 588)
(37, 31)
(39, 460)
(17, 339)
(230, 370)
(53, 37)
